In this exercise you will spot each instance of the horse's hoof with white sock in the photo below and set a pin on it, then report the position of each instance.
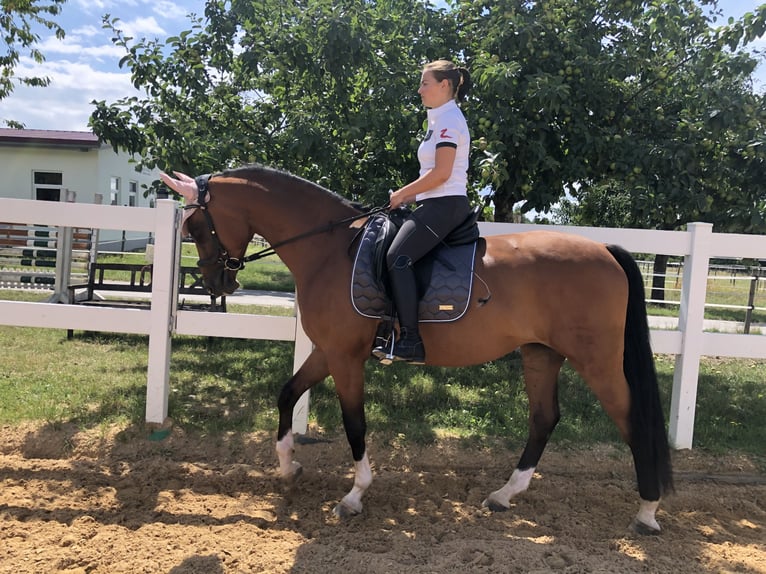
(645, 522)
(343, 511)
(495, 505)
(645, 529)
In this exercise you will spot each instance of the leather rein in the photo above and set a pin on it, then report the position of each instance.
(236, 263)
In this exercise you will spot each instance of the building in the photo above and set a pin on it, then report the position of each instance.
(50, 165)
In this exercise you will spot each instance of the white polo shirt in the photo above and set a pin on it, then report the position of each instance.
(446, 126)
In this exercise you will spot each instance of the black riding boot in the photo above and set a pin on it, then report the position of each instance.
(408, 346)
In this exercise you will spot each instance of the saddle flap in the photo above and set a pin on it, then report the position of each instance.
(449, 272)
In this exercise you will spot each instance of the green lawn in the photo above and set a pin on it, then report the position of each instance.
(231, 385)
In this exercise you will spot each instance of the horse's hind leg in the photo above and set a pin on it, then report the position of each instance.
(313, 370)
(541, 368)
(607, 381)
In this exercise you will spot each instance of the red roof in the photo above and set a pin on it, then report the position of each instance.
(47, 138)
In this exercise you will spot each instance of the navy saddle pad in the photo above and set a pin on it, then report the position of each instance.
(445, 276)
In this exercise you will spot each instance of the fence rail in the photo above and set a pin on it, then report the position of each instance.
(689, 342)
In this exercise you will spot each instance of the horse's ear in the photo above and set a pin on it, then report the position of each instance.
(184, 185)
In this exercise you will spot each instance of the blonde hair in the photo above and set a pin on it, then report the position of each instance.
(458, 77)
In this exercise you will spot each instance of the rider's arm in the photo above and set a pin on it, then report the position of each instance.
(445, 158)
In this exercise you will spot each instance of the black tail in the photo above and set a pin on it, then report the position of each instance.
(648, 439)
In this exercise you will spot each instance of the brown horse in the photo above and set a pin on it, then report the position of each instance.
(554, 296)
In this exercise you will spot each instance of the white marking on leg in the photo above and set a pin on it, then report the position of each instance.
(646, 514)
(518, 483)
(287, 466)
(362, 481)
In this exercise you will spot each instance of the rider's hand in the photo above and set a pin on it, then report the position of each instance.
(396, 199)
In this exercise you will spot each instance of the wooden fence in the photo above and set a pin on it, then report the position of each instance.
(689, 342)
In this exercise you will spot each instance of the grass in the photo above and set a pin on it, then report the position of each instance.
(231, 385)
(726, 298)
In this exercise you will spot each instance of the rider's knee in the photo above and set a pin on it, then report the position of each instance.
(399, 262)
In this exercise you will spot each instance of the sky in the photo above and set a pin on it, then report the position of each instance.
(84, 66)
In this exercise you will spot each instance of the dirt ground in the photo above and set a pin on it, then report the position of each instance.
(112, 501)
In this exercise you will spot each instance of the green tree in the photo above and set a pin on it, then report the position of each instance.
(579, 95)
(326, 89)
(574, 94)
(18, 19)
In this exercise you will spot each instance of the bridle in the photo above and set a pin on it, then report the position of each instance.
(235, 263)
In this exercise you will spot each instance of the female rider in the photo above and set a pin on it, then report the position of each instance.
(440, 193)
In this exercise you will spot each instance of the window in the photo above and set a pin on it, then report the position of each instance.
(132, 193)
(114, 191)
(47, 185)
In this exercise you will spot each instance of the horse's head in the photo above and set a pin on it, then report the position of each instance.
(220, 234)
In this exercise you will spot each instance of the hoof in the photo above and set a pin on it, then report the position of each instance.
(343, 511)
(296, 470)
(644, 529)
(494, 505)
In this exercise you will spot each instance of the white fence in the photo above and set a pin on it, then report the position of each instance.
(689, 342)
(162, 319)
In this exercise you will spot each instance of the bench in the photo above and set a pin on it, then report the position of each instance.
(101, 279)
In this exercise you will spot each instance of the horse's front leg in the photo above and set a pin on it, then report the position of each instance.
(348, 374)
(313, 370)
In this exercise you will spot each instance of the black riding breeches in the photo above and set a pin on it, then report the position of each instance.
(429, 224)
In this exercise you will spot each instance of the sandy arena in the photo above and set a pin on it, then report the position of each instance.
(111, 501)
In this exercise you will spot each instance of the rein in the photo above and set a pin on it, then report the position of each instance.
(234, 263)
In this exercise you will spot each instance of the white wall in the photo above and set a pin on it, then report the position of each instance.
(79, 170)
(87, 172)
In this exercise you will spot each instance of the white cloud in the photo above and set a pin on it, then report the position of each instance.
(83, 66)
(175, 11)
(100, 6)
(66, 103)
(165, 9)
(141, 27)
(88, 31)
(73, 46)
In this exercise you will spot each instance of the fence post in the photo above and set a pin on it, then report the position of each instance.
(756, 273)
(164, 303)
(690, 322)
(303, 348)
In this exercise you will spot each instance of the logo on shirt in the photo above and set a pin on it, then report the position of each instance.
(429, 133)
(444, 135)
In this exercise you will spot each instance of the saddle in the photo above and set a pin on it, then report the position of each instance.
(444, 276)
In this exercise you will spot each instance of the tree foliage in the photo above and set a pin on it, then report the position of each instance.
(647, 95)
(651, 98)
(323, 88)
(18, 20)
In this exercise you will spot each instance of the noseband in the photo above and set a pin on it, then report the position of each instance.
(234, 263)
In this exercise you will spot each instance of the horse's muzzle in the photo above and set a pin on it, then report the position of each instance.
(223, 282)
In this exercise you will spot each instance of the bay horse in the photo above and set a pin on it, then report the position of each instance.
(553, 295)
